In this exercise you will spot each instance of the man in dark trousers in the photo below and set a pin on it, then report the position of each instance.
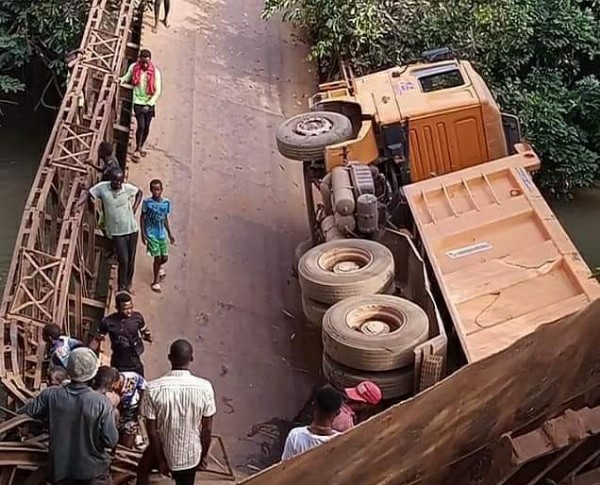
(82, 425)
(179, 409)
(146, 80)
(126, 329)
(120, 202)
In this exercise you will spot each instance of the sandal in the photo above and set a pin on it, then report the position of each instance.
(156, 287)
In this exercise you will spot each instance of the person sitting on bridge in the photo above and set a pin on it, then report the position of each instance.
(147, 85)
(120, 201)
(156, 232)
(328, 402)
(126, 329)
(360, 405)
(81, 424)
(60, 346)
(107, 162)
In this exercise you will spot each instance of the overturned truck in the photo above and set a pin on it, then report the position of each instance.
(433, 257)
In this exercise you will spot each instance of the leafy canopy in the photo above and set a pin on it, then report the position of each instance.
(539, 57)
(41, 29)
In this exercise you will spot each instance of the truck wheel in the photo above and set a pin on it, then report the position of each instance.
(299, 251)
(393, 383)
(339, 269)
(374, 332)
(314, 311)
(305, 136)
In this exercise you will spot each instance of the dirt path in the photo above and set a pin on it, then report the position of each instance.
(229, 78)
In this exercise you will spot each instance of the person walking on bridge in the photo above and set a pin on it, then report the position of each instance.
(82, 425)
(127, 330)
(156, 231)
(179, 409)
(147, 86)
(120, 202)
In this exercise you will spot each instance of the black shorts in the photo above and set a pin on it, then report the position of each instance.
(138, 110)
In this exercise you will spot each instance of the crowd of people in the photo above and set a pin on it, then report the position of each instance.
(90, 408)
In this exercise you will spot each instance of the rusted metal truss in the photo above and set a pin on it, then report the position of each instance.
(57, 262)
(58, 273)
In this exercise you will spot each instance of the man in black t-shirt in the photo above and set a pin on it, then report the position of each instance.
(127, 330)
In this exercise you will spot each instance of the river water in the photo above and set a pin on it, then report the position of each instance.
(20, 152)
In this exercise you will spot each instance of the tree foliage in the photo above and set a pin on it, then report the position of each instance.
(540, 58)
(44, 30)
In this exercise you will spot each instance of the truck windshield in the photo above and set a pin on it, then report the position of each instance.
(440, 78)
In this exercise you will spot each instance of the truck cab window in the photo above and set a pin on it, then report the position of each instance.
(442, 79)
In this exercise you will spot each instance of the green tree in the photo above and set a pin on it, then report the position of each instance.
(540, 58)
(44, 30)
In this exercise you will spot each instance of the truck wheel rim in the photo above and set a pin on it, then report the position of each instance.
(313, 126)
(375, 320)
(344, 260)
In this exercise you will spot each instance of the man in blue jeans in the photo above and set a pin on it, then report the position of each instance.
(120, 202)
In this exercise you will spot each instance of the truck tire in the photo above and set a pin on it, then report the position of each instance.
(339, 269)
(393, 383)
(305, 136)
(374, 332)
(314, 311)
(299, 251)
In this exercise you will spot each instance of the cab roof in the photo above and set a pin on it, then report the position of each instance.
(420, 89)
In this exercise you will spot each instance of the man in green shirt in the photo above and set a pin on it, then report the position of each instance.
(147, 86)
(120, 201)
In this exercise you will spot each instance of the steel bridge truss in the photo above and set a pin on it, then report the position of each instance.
(58, 273)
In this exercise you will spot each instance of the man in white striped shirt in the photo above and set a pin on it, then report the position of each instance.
(179, 409)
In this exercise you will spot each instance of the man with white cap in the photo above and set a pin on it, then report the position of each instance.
(81, 424)
(360, 404)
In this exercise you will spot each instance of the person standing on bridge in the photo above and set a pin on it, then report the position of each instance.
(81, 422)
(328, 402)
(156, 232)
(165, 21)
(127, 330)
(147, 86)
(179, 409)
(120, 201)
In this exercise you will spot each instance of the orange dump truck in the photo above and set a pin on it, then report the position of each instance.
(411, 168)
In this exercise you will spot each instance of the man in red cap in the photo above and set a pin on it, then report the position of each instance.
(360, 403)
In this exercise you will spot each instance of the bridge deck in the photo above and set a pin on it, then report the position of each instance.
(237, 214)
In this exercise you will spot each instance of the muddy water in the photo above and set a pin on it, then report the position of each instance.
(580, 219)
(20, 152)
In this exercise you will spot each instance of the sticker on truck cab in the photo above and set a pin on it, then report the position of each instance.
(468, 250)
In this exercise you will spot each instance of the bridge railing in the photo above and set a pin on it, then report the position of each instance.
(58, 273)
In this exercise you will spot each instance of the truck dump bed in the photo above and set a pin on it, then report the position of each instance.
(502, 260)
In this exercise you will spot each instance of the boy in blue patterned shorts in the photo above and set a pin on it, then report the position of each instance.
(156, 232)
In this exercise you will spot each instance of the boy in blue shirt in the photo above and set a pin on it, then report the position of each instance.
(156, 232)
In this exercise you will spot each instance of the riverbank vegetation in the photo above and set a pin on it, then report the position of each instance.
(541, 58)
(35, 36)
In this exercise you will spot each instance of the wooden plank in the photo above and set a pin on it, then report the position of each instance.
(421, 440)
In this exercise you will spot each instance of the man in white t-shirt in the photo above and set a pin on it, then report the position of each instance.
(328, 402)
(120, 201)
(179, 409)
